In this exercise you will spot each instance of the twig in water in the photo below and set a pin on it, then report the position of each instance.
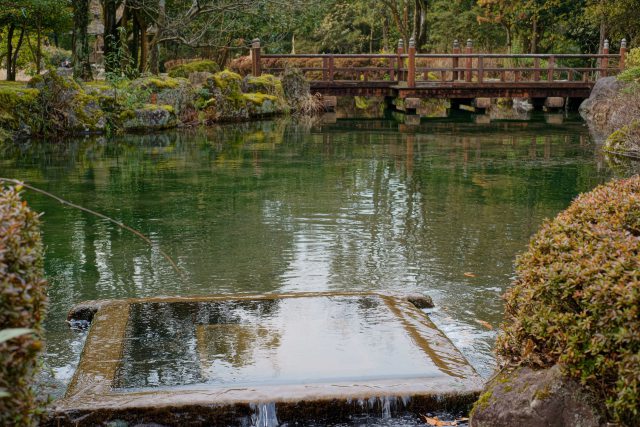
(99, 215)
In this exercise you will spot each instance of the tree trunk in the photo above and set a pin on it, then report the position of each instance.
(10, 50)
(134, 47)
(155, 44)
(12, 71)
(111, 38)
(81, 53)
(603, 35)
(38, 49)
(534, 35)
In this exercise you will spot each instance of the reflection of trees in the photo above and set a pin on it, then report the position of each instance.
(171, 344)
(265, 206)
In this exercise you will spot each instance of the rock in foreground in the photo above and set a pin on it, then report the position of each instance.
(528, 398)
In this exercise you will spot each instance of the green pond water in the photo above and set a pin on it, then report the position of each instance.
(283, 206)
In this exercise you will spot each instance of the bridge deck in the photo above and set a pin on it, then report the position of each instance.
(454, 90)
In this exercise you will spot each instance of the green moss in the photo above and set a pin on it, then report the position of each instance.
(258, 98)
(361, 102)
(542, 394)
(227, 81)
(155, 83)
(625, 139)
(185, 70)
(483, 401)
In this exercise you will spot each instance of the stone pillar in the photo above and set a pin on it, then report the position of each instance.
(400, 61)
(623, 53)
(604, 63)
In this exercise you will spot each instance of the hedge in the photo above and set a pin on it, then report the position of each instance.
(22, 305)
(576, 297)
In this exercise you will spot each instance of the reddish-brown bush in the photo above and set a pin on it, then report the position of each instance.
(22, 301)
(576, 300)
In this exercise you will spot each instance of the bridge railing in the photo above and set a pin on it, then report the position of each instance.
(459, 67)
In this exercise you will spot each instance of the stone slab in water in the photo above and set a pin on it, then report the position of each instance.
(223, 360)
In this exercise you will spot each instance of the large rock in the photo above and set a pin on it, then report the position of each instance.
(528, 398)
(176, 92)
(66, 106)
(601, 109)
(149, 118)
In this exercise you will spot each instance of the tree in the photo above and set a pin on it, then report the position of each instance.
(81, 63)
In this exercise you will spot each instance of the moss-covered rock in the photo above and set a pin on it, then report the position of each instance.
(176, 92)
(227, 82)
(185, 70)
(528, 398)
(17, 104)
(63, 106)
(149, 118)
(625, 140)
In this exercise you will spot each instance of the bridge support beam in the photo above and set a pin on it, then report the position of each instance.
(329, 103)
(482, 104)
(553, 103)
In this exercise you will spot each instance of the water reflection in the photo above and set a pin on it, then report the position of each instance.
(280, 206)
(279, 341)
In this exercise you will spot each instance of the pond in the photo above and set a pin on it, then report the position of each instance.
(289, 206)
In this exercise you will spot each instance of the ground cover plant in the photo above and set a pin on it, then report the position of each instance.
(22, 301)
(577, 296)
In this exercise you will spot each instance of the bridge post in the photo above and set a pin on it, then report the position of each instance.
(469, 60)
(456, 61)
(623, 53)
(400, 62)
(604, 62)
(552, 64)
(411, 78)
(255, 58)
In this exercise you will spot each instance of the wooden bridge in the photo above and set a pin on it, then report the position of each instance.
(462, 75)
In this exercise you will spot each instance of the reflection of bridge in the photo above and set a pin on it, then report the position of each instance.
(456, 75)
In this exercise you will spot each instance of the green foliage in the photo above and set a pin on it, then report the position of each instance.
(577, 295)
(185, 70)
(22, 305)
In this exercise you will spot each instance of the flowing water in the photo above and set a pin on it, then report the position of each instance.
(278, 206)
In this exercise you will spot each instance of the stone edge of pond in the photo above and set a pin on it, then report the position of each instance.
(88, 402)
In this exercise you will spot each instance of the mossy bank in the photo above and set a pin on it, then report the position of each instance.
(51, 105)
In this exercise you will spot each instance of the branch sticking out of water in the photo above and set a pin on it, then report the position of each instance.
(99, 215)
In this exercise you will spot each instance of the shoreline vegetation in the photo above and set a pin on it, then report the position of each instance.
(52, 105)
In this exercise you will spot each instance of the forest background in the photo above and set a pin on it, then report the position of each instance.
(142, 35)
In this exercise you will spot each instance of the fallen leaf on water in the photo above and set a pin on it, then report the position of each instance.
(469, 274)
(437, 422)
(485, 324)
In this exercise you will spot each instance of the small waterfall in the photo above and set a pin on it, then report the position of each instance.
(385, 406)
(264, 415)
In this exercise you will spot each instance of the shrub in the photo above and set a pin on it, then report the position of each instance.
(576, 297)
(298, 94)
(22, 304)
(185, 70)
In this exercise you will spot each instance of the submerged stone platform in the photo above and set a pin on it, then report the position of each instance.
(227, 360)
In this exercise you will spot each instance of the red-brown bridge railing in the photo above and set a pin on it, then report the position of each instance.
(411, 69)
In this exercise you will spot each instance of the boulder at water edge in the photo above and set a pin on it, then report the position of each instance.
(528, 398)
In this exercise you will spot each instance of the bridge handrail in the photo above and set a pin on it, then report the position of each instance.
(440, 55)
(467, 66)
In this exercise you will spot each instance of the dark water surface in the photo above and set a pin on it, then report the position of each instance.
(276, 207)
